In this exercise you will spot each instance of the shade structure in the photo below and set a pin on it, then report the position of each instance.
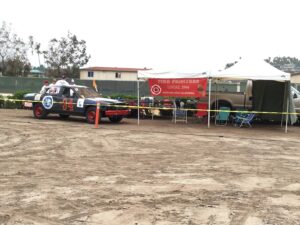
(165, 74)
(252, 69)
(245, 69)
(260, 70)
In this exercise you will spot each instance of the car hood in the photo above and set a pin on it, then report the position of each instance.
(29, 95)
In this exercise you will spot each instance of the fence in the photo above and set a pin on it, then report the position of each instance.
(129, 88)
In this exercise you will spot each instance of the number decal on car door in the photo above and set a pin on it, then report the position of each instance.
(68, 105)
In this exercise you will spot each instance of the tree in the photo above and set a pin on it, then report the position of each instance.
(66, 55)
(228, 65)
(13, 52)
(285, 63)
(35, 47)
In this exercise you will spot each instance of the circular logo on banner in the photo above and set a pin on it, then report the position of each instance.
(155, 89)
(47, 102)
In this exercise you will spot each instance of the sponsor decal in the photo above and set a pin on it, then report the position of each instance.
(80, 103)
(47, 102)
(179, 87)
(68, 104)
(155, 89)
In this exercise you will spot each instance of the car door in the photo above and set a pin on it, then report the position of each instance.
(67, 101)
(50, 101)
(70, 104)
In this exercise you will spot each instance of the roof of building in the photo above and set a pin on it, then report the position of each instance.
(116, 69)
(35, 71)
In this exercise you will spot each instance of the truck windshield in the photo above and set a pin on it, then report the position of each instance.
(295, 91)
(87, 93)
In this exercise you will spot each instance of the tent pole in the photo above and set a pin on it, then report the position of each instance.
(209, 93)
(138, 101)
(287, 108)
(283, 105)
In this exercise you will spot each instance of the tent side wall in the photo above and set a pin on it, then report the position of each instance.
(269, 96)
(272, 96)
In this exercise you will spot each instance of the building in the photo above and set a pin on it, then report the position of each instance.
(109, 73)
(36, 73)
(290, 68)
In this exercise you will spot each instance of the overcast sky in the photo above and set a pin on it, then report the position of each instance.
(171, 34)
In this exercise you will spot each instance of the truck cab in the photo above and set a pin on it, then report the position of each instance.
(296, 99)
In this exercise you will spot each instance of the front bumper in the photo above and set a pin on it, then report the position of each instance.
(123, 112)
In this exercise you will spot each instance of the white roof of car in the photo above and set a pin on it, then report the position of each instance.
(71, 86)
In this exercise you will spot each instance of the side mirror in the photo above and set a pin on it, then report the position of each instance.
(295, 95)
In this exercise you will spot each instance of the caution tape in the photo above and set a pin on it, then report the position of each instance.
(168, 108)
(219, 110)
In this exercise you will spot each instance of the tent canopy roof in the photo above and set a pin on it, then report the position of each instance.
(247, 69)
(145, 74)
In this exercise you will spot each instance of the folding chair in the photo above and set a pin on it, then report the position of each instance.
(179, 114)
(222, 116)
(202, 111)
(244, 120)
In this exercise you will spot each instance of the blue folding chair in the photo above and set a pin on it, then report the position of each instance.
(179, 114)
(244, 120)
(222, 116)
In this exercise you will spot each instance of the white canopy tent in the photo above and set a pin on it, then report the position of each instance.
(250, 69)
(164, 74)
(146, 74)
(245, 69)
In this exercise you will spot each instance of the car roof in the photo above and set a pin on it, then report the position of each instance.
(70, 86)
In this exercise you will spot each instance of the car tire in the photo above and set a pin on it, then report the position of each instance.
(64, 116)
(39, 111)
(90, 115)
(115, 119)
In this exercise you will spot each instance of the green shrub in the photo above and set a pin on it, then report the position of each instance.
(19, 94)
(11, 104)
(14, 101)
(1, 101)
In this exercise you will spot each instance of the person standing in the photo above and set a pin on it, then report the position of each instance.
(44, 88)
(52, 87)
(62, 81)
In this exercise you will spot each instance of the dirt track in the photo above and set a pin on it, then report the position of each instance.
(65, 172)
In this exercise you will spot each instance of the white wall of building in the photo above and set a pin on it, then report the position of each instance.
(109, 75)
(295, 79)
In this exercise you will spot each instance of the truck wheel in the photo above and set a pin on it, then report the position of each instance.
(115, 119)
(39, 112)
(90, 114)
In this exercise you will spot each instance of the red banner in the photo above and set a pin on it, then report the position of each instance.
(182, 87)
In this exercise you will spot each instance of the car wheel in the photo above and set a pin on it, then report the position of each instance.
(39, 112)
(115, 119)
(90, 114)
(64, 116)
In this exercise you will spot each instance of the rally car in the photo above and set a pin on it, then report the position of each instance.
(68, 100)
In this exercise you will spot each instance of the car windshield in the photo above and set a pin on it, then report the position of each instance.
(87, 93)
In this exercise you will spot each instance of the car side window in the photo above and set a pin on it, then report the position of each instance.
(66, 92)
(73, 93)
(52, 91)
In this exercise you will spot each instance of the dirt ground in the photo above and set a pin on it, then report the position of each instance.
(58, 171)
